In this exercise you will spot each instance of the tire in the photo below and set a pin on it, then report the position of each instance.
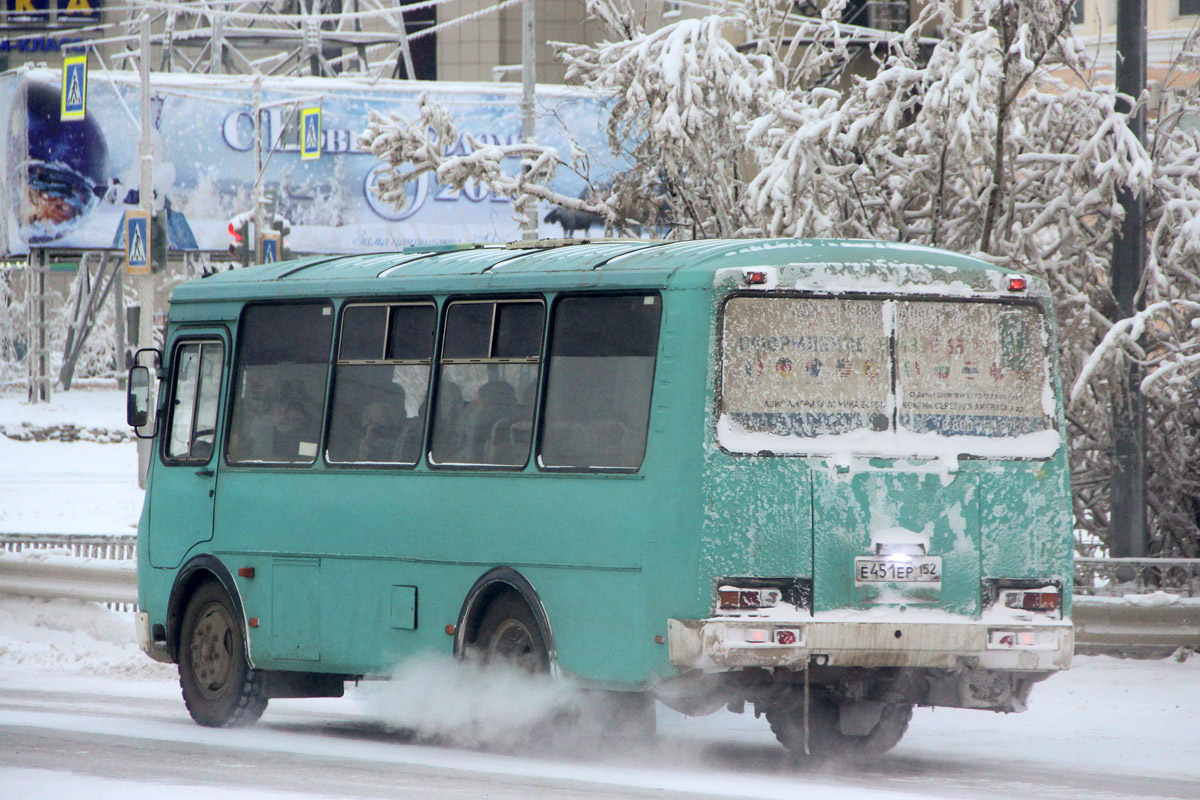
(219, 687)
(825, 737)
(509, 634)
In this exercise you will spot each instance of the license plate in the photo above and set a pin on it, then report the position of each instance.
(911, 569)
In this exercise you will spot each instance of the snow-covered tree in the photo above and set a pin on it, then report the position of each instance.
(988, 134)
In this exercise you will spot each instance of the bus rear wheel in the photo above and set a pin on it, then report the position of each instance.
(825, 737)
(509, 634)
(220, 689)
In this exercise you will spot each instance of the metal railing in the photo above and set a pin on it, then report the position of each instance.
(1116, 577)
(119, 547)
(93, 568)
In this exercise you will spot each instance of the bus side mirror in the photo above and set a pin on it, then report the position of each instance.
(137, 400)
(138, 405)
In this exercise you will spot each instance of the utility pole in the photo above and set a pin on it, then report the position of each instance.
(1128, 531)
(258, 197)
(529, 229)
(145, 283)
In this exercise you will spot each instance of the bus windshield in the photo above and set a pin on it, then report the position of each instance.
(884, 376)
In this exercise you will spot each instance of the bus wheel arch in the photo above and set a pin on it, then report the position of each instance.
(498, 587)
(191, 577)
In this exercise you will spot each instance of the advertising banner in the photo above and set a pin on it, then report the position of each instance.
(68, 184)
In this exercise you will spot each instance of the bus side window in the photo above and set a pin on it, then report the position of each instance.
(598, 382)
(283, 360)
(380, 386)
(487, 383)
(195, 394)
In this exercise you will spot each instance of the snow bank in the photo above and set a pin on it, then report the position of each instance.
(70, 637)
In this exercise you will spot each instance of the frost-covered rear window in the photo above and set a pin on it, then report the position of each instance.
(972, 369)
(891, 377)
(805, 367)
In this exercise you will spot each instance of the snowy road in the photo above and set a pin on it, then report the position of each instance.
(1132, 734)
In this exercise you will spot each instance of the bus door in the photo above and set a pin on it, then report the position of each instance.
(969, 390)
(183, 482)
(895, 537)
(826, 377)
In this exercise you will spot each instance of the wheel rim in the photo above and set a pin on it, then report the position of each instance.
(212, 650)
(513, 643)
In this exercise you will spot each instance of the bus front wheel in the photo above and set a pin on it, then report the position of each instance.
(220, 689)
(509, 634)
(825, 737)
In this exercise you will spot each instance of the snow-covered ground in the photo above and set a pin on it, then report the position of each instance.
(83, 714)
(67, 487)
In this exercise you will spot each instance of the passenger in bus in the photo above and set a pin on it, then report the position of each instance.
(292, 427)
(408, 448)
(383, 426)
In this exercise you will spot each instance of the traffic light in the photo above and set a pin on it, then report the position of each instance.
(239, 248)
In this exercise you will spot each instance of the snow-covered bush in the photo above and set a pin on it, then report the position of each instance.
(987, 134)
(13, 344)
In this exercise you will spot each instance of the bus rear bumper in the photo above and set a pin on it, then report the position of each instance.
(721, 644)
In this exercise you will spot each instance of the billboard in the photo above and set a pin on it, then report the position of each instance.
(68, 184)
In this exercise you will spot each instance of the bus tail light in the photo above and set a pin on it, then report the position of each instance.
(733, 593)
(733, 598)
(1044, 599)
(1017, 283)
(1023, 596)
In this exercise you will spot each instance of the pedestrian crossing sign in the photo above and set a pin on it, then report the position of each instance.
(310, 133)
(74, 87)
(137, 242)
(269, 252)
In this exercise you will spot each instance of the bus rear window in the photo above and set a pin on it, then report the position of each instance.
(972, 369)
(879, 376)
(805, 367)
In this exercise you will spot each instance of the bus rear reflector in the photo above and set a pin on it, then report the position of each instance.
(1014, 639)
(787, 636)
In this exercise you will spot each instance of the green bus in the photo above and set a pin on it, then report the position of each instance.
(828, 478)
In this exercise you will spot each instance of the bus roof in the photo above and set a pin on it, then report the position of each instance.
(596, 264)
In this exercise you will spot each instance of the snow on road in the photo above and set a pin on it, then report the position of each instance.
(83, 714)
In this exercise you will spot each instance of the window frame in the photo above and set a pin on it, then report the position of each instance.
(440, 361)
(202, 339)
(545, 375)
(337, 362)
(718, 373)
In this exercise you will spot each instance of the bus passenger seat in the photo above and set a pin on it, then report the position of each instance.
(497, 402)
